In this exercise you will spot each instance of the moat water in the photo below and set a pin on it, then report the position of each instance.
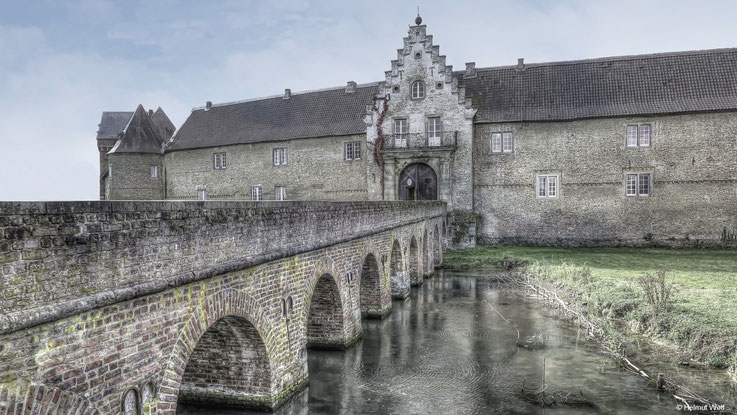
(445, 350)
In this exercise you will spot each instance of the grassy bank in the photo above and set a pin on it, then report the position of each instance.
(702, 318)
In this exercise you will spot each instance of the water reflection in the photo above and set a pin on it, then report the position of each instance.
(446, 351)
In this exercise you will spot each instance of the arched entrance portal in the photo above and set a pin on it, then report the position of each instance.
(418, 181)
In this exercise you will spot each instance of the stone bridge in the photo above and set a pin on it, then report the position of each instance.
(132, 307)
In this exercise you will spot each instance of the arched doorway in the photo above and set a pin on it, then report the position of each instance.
(418, 181)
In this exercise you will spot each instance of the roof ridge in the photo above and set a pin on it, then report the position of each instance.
(612, 59)
(309, 91)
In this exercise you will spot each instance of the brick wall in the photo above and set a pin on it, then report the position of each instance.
(692, 162)
(159, 340)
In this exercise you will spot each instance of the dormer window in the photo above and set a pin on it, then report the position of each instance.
(418, 90)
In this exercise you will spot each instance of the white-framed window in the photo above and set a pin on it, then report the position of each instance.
(496, 142)
(256, 193)
(280, 192)
(418, 90)
(280, 156)
(400, 132)
(639, 135)
(434, 128)
(547, 186)
(201, 194)
(154, 170)
(507, 142)
(218, 161)
(638, 184)
(352, 150)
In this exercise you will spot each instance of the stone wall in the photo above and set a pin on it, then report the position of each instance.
(694, 190)
(130, 177)
(316, 170)
(149, 342)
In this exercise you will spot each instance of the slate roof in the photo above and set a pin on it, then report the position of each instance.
(163, 124)
(329, 112)
(141, 135)
(113, 123)
(664, 83)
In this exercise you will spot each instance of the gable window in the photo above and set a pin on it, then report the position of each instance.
(547, 186)
(256, 193)
(352, 150)
(201, 194)
(418, 90)
(281, 192)
(639, 135)
(218, 161)
(280, 156)
(434, 128)
(400, 133)
(154, 170)
(638, 184)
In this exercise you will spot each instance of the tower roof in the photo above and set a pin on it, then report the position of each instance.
(139, 136)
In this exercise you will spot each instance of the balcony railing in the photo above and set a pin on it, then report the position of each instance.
(419, 140)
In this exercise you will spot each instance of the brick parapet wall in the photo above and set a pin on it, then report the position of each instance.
(61, 258)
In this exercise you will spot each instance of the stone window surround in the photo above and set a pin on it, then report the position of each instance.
(154, 170)
(637, 183)
(547, 175)
(403, 136)
(439, 131)
(280, 156)
(280, 193)
(257, 193)
(638, 132)
(500, 135)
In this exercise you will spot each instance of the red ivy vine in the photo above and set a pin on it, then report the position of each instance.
(380, 140)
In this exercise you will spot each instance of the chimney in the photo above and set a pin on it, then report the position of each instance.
(350, 88)
(470, 70)
(287, 93)
(150, 113)
(208, 105)
(521, 64)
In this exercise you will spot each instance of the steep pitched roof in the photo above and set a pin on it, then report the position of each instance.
(112, 123)
(321, 113)
(139, 136)
(664, 83)
(163, 124)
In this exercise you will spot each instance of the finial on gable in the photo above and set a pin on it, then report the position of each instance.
(418, 19)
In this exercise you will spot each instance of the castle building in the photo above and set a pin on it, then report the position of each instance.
(631, 150)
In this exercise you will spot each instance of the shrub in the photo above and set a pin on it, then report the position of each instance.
(658, 292)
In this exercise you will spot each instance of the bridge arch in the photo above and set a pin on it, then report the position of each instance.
(227, 336)
(399, 279)
(371, 298)
(328, 318)
(415, 277)
(437, 249)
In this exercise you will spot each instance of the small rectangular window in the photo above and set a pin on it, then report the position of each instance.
(280, 156)
(507, 142)
(281, 193)
(638, 184)
(631, 136)
(434, 128)
(547, 186)
(644, 135)
(496, 142)
(218, 161)
(154, 172)
(256, 193)
(352, 150)
(202, 194)
(400, 133)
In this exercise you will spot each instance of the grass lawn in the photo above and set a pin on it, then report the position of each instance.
(703, 318)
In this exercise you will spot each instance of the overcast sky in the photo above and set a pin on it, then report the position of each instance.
(64, 62)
